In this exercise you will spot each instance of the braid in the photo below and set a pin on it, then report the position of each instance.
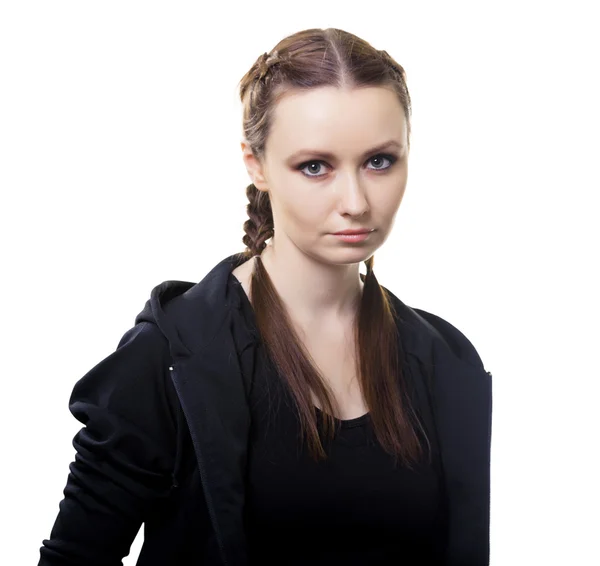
(266, 61)
(400, 73)
(259, 226)
(389, 61)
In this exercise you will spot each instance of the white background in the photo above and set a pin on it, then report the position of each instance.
(120, 167)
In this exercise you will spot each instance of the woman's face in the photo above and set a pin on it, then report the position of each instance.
(314, 195)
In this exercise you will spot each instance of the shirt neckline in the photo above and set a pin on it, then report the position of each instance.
(348, 423)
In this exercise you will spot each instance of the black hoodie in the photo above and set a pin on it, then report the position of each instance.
(167, 425)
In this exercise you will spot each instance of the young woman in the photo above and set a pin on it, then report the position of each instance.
(288, 409)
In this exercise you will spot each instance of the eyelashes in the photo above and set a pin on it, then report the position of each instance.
(389, 157)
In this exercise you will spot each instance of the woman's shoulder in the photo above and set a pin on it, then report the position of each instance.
(422, 328)
(454, 337)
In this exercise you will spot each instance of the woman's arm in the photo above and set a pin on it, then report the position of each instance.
(124, 455)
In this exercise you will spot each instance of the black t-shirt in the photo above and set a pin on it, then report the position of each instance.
(354, 508)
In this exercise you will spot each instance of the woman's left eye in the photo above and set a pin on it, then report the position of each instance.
(391, 158)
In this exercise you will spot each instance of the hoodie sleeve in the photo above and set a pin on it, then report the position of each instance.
(124, 454)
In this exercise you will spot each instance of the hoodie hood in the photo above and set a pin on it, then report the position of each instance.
(188, 313)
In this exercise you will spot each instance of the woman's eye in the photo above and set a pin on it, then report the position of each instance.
(376, 159)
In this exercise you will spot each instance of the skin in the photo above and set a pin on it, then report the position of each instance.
(315, 273)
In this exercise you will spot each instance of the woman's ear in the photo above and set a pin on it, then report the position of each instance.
(254, 167)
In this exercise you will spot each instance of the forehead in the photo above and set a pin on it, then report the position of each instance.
(329, 116)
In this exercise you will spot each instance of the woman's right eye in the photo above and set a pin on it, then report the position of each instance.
(305, 165)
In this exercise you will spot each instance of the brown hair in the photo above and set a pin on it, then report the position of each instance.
(302, 61)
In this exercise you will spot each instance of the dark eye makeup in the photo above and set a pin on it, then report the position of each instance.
(390, 157)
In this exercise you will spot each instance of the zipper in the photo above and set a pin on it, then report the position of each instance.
(207, 494)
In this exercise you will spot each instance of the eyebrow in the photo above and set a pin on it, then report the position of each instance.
(328, 155)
